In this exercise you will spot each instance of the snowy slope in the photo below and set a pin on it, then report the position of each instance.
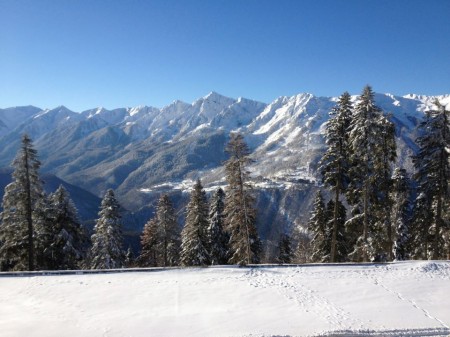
(398, 299)
(10, 118)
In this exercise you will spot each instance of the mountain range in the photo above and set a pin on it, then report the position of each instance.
(144, 151)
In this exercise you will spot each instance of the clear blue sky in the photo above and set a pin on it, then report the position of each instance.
(89, 53)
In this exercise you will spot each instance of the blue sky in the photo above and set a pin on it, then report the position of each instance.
(89, 53)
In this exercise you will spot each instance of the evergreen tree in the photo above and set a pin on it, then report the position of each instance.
(285, 253)
(420, 226)
(341, 250)
(169, 244)
(107, 251)
(20, 211)
(194, 237)
(317, 226)
(217, 236)
(240, 212)
(386, 153)
(433, 176)
(335, 162)
(129, 258)
(372, 145)
(401, 212)
(64, 240)
(150, 239)
(303, 250)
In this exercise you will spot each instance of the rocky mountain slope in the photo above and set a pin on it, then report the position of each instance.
(144, 151)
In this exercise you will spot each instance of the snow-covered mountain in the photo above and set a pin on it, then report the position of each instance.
(143, 151)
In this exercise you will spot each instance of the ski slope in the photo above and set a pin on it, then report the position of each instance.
(397, 299)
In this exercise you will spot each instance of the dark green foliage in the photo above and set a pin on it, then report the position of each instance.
(169, 234)
(149, 245)
(339, 222)
(160, 238)
(217, 236)
(433, 178)
(240, 212)
(320, 232)
(372, 146)
(335, 163)
(401, 213)
(63, 238)
(22, 203)
(194, 237)
(106, 251)
(385, 156)
(285, 253)
(129, 258)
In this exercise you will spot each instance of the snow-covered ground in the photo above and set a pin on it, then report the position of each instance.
(398, 299)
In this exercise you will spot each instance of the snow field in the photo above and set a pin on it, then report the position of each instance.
(398, 299)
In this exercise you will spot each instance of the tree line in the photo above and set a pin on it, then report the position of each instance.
(376, 212)
(43, 232)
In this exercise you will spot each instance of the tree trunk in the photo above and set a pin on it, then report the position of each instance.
(366, 220)
(29, 214)
(335, 220)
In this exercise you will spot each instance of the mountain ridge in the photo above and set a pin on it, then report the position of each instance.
(144, 151)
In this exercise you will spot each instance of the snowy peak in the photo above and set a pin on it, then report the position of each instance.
(12, 117)
(137, 148)
(428, 101)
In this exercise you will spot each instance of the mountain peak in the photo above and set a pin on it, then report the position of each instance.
(214, 96)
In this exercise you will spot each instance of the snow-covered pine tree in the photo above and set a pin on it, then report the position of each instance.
(335, 162)
(150, 242)
(169, 245)
(240, 213)
(106, 251)
(318, 227)
(129, 258)
(401, 213)
(341, 249)
(65, 240)
(194, 236)
(386, 153)
(285, 253)
(433, 176)
(303, 252)
(365, 193)
(217, 236)
(420, 236)
(18, 219)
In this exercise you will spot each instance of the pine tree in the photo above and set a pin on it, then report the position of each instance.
(285, 253)
(420, 227)
(129, 258)
(194, 237)
(107, 241)
(169, 244)
(372, 145)
(217, 236)
(240, 213)
(150, 239)
(303, 249)
(341, 250)
(65, 236)
(401, 212)
(433, 177)
(335, 162)
(384, 157)
(317, 226)
(20, 211)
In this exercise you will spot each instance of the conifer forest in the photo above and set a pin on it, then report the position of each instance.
(368, 208)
